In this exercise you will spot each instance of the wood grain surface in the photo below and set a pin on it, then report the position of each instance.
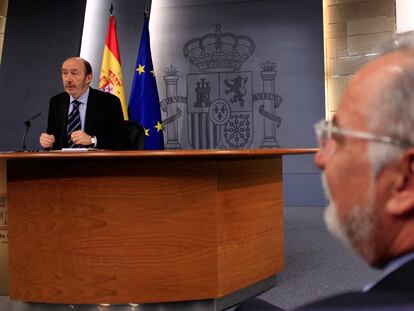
(249, 222)
(154, 154)
(118, 230)
(3, 177)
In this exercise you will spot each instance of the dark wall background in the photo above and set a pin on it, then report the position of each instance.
(39, 36)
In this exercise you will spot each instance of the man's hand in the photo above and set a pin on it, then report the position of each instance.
(81, 138)
(46, 140)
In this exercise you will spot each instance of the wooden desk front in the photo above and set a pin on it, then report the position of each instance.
(142, 227)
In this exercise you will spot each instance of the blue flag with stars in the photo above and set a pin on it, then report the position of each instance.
(144, 103)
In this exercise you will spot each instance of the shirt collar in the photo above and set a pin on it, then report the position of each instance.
(83, 99)
(398, 262)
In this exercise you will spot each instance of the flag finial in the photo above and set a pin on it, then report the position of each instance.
(146, 13)
(111, 10)
(147, 10)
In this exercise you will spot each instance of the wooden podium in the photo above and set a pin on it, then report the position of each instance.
(143, 226)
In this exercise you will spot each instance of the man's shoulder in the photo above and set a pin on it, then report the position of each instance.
(59, 97)
(375, 300)
(95, 93)
(394, 292)
(401, 279)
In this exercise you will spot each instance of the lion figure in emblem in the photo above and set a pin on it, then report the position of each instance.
(237, 86)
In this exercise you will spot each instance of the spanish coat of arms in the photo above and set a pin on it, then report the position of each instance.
(220, 108)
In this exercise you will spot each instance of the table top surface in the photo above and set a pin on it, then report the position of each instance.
(154, 154)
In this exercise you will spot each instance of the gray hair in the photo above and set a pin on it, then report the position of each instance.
(404, 40)
(394, 110)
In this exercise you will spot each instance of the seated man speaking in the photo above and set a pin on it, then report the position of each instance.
(81, 116)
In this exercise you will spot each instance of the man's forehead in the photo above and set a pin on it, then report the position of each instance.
(369, 82)
(366, 88)
(72, 65)
(393, 63)
(356, 104)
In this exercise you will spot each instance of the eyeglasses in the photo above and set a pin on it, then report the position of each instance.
(325, 130)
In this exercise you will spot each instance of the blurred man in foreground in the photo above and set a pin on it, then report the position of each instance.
(82, 116)
(367, 158)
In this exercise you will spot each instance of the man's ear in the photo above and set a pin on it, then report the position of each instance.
(402, 196)
(89, 78)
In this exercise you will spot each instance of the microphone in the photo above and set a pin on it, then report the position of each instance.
(28, 124)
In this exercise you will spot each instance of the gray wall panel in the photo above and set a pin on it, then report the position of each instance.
(303, 190)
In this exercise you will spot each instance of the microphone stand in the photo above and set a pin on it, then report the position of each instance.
(27, 124)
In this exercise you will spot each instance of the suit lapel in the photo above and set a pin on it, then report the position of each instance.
(64, 108)
(91, 108)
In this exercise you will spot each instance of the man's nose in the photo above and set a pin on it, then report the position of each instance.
(324, 154)
(320, 159)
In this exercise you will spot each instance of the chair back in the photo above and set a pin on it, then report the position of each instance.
(136, 134)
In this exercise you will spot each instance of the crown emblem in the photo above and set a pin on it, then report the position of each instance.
(268, 66)
(219, 51)
(171, 71)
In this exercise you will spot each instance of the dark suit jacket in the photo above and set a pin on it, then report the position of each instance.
(395, 292)
(103, 119)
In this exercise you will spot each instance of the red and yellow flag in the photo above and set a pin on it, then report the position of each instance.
(111, 80)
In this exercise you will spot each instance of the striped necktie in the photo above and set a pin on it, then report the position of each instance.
(74, 124)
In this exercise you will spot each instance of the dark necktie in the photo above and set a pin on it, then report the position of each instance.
(74, 123)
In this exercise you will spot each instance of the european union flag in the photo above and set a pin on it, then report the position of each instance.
(144, 103)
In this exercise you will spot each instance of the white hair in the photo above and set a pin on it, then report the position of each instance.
(393, 113)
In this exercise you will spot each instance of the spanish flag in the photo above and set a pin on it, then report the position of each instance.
(111, 80)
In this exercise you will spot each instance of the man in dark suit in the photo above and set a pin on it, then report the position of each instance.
(99, 119)
(367, 158)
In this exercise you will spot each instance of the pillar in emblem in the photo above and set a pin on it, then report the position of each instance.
(268, 75)
(4, 250)
(171, 83)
